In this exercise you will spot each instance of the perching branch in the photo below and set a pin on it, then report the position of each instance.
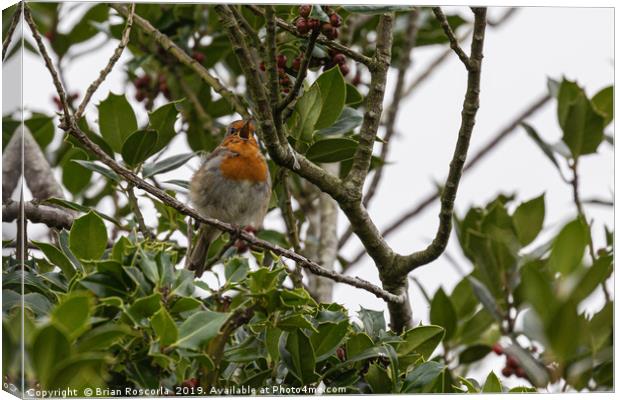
(454, 43)
(186, 60)
(12, 25)
(51, 216)
(105, 71)
(485, 150)
(468, 118)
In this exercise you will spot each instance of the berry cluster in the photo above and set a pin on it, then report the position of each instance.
(148, 89)
(305, 24)
(512, 366)
(281, 64)
(337, 59)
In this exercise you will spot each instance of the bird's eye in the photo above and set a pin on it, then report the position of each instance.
(232, 130)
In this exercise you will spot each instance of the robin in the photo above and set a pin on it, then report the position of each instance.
(233, 185)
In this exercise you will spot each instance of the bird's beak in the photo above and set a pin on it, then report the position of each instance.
(246, 129)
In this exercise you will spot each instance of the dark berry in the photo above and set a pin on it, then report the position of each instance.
(335, 20)
(296, 64)
(520, 372)
(192, 383)
(56, 101)
(344, 68)
(302, 26)
(497, 349)
(507, 371)
(341, 353)
(534, 349)
(262, 66)
(357, 79)
(314, 24)
(339, 58)
(332, 34)
(281, 60)
(326, 28)
(50, 35)
(286, 90)
(511, 362)
(305, 9)
(140, 96)
(198, 56)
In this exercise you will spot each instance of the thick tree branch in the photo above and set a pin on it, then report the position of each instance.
(12, 164)
(454, 42)
(186, 60)
(405, 264)
(350, 53)
(12, 25)
(108, 68)
(485, 150)
(51, 216)
(373, 106)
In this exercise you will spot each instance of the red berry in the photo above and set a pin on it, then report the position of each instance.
(326, 28)
(198, 56)
(140, 96)
(296, 64)
(520, 372)
(341, 354)
(302, 26)
(333, 34)
(511, 362)
(56, 101)
(339, 58)
(192, 383)
(335, 20)
(50, 35)
(506, 371)
(344, 68)
(497, 349)
(314, 24)
(305, 9)
(262, 66)
(356, 81)
(286, 90)
(281, 60)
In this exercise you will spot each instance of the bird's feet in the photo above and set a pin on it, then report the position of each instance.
(241, 244)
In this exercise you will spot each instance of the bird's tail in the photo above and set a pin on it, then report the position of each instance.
(198, 257)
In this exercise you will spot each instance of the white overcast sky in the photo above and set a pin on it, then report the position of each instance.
(538, 42)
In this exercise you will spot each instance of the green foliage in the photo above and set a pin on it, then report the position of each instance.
(117, 120)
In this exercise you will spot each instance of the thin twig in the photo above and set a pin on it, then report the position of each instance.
(249, 31)
(454, 43)
(62, 94)
(301, 74)
(135, 208)
(171, 47)
(12, 25)
(108, 68)
(286, 208)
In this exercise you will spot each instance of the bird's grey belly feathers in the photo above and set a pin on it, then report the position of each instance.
(239, 202)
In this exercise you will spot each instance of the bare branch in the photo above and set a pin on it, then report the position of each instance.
(411, 33)
(186, 60)
(12, 164)
(301, 74)
(454, 43)
(448, 196)
(12, 25)
(105, 71)
(62, 94)
(51, 216)
(352, 54)
(492, 144)
(373, 105)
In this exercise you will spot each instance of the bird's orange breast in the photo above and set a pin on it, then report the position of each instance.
(248, 165)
